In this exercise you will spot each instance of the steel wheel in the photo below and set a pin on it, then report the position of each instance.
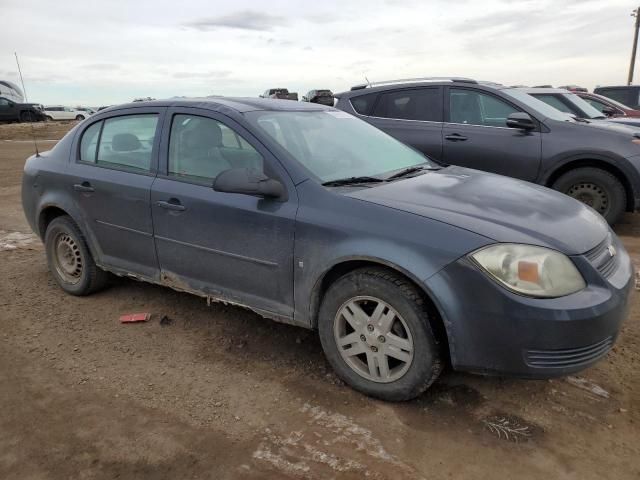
(590, 194)
(373, 339)
(67, 259)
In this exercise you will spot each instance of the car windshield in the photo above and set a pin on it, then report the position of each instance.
(335, 145)
(538, 105)
(586, 107)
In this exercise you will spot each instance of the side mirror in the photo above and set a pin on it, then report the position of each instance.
(609, 111)
(520, 120)
(248, 181)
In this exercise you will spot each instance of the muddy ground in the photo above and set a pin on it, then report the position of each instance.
(218, 392)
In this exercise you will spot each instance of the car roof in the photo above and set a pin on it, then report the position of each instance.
(239, 104)
(534, 90)
(435, 82)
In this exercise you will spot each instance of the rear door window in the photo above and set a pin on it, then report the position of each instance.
(622, 95)
(124, 142)
(415, 104)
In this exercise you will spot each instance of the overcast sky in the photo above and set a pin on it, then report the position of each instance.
(110, 51)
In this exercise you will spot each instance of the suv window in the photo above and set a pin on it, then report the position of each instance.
(125, 141)
(622, 95)
(555, 102)
(4, 102)
(477, 108)
(201, 148)
(363, 103)
(415, 104)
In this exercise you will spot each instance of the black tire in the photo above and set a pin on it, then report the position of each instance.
(397, 292)
(597, 188)
(26, 117)
(90, 277)
(48, 118)
(80, 118)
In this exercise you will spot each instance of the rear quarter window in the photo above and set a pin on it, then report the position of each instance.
(364, 103)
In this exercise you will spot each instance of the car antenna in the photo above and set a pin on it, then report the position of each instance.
(33, 133)
(368, 82)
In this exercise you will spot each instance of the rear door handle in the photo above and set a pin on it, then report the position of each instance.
(172, 204)
(83, 187)
(455, 137)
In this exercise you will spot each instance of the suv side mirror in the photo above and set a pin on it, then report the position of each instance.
(520, 120)
(248, 181)
(609, 111)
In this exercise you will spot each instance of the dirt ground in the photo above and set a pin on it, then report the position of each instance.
(218, 392)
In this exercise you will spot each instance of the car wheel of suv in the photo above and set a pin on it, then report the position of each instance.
(69, 259)
(80, 118)
(48, 118)
(375, 331)
(26, 117)
(597, 188)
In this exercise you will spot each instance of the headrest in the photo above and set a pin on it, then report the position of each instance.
(125, 142)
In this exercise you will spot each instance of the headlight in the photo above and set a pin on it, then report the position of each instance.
(529, 270)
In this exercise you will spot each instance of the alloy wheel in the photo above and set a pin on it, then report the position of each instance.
(373, 339)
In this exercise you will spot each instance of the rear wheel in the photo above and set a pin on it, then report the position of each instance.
(69, 259)
(597, 188)
(48, 118)
(376, 333)
(80, 117)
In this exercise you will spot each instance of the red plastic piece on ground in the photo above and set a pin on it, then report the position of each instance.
(135, 317)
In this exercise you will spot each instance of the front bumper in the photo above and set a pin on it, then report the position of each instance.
(494, 331)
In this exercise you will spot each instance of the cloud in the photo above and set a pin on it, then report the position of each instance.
(244, 20)
(211, 74)
(101, 66)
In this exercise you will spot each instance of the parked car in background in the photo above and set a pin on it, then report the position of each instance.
(323, 97)
(402, 265)
(280, 93)
(59, 112)
(573, 104)
(11, 91)
(609, 107)
(625, 94)
(87, 110)
(505, 130)
(12, 111)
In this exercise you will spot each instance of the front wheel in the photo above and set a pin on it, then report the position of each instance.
(597, 188)
(69, 259)
(375, 331)
(79, 118)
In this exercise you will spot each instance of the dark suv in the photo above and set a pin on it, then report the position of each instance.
(504, 130)
(626, 94)
(11, 111)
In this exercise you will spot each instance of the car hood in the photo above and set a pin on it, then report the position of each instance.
(500, 208)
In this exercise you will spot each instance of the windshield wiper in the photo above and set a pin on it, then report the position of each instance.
(407, 171)
(351, 181)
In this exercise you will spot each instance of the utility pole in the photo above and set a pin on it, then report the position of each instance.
(635, 13)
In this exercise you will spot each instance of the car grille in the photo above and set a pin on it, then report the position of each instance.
(570, 357)
(601, 257)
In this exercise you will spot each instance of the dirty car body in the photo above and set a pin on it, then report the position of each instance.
(137, 181)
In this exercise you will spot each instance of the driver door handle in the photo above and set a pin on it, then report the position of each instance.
(455, 137)
(83, 187)
(172, 204)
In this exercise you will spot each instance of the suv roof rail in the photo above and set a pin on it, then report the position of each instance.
(419, 79)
